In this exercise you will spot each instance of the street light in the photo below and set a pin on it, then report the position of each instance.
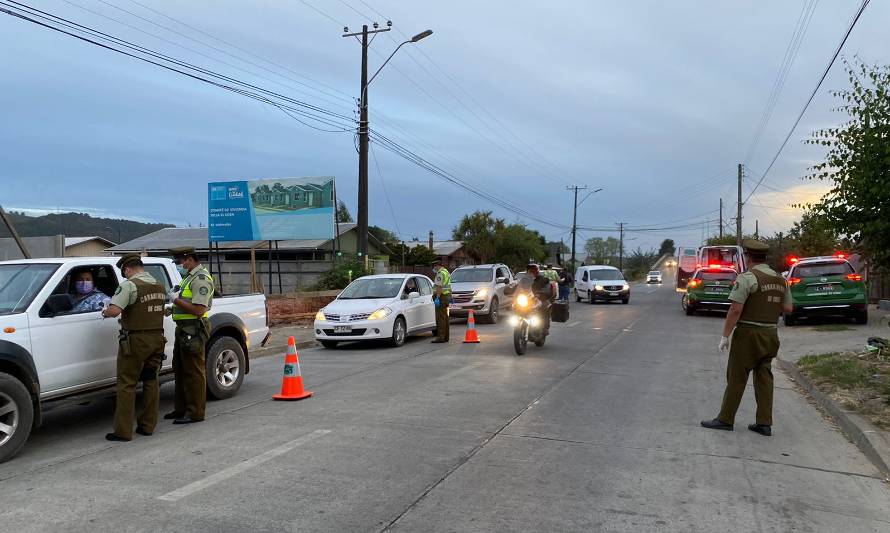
(362, 216)
(109, 228)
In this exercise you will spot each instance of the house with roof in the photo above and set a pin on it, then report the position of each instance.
(451, 253)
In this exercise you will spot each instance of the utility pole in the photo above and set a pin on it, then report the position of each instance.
(621, 246)
(756, 229)
(738, 220)
(362, 217)
(721, 218)
(575, 189)
(15, 235)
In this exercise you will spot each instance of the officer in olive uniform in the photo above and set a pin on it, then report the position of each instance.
(442, 295)
(139, 301)
(759, 296)
(191, 302)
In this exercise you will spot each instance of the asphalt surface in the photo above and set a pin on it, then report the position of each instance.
(596, 431)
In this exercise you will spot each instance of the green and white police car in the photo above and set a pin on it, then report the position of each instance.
(708, 289)
(826, 286)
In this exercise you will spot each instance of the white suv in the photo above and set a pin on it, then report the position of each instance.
(481, 288)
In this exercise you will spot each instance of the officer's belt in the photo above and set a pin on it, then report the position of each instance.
(187, 321)
(754, 325)
(142, 331)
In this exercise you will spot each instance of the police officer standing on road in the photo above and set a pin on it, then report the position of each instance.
(139, 301)
(759, 296)
(442, 299)
(191, 302)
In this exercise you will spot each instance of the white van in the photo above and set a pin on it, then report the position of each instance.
(601, 282)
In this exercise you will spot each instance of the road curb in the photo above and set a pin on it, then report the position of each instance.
(266, 351)
(852, 425)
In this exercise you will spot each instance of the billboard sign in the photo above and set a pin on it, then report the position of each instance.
(271, 209)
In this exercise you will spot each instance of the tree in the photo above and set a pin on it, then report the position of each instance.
(667, 247)
(384, 235)
(343, 214)
(813, 236)
(516, 244)
(477, 233)
(601, 250)
(857, 163)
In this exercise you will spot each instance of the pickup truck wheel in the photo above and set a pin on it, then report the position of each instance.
(225, 365)
(16, 416)
(495, 312)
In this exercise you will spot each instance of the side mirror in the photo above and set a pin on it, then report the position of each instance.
(502, 280)
(57, 304)
(413, 295)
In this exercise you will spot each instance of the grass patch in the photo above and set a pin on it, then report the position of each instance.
(860, 383)
(832, 327)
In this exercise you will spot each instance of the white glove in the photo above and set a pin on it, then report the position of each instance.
(724, 344)
(172, 295)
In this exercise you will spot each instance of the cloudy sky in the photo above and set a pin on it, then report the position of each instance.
(655, 102)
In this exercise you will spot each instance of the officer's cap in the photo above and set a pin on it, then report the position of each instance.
(436, 262)
(754, 246)
(128, 259)
(182, 251)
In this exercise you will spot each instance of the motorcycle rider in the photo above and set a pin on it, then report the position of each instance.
(541, 288)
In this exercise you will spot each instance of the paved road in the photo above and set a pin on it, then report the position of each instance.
(598, 430)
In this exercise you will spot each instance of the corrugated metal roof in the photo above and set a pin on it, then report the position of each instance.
(439, 247)
(167, 238)
(71, 241)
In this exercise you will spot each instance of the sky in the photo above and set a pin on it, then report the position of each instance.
(654, 102)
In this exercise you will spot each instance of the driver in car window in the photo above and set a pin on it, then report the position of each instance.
(410, 287)
(87, 297)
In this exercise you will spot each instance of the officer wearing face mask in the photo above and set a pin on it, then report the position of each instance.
(191, 301)
(88, 297)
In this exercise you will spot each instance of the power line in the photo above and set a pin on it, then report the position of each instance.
(813, 94)
(322, 13)
(385, 193)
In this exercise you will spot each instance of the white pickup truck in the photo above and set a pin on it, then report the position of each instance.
(49, 353)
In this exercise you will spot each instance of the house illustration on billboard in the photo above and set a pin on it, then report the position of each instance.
(292, 197)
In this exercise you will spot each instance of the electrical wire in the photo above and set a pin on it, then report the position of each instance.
(383, 186)
(834, 57)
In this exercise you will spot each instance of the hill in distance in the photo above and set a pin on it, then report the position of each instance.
(78, 225)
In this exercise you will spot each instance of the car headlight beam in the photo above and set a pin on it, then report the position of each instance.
(379, 314)
(480, 293)
(319, 315)
(598, 287)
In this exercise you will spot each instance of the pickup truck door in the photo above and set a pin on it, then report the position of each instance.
(74, 350)
(162, 275)
(503, 299)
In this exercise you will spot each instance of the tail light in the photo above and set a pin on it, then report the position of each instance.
(693, 283)
(792, 260)
(840, 255)
(854, 277)
(793, 281)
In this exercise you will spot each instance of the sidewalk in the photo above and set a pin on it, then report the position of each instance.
(828, 336)
(303, 335)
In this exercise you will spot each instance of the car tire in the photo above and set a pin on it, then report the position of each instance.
(330, 345)
(225, 365)
(577, 296)
(21, 416)
(591, 298)
(861, 317)
(399, 333)
(690, 309)
(495, 312)
(790, 320)
(625, 300)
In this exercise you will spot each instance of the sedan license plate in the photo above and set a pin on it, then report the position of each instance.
(342, 329)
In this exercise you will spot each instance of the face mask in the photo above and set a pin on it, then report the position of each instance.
(83, 287)
(182, 270)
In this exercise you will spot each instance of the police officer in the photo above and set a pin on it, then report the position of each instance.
(759, 296)
(191, 302)
(442, 297)
(139, 301)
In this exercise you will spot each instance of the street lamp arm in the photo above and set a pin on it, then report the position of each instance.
(385, 62)
(589, 195)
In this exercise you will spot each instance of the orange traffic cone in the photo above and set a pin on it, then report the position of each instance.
(292, 382)
(471, 336)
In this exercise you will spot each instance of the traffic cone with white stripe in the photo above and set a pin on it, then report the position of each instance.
(292, 382)
(472, 336)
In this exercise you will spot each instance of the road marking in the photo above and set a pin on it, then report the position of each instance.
(572, 324)
(222, 475)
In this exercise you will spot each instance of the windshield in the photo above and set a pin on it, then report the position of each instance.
(472, 275)
(606, 274)
(655, 273)
(833, 268)
(20, 283)
(717, 276)
(368, 288)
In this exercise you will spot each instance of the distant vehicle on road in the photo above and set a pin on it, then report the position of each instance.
(709, 289)
(601, 282)
(52, 354)
(653, 276)
(481, 288)
(687, 263)
(826, 286)
(384, 306)
(722, 256)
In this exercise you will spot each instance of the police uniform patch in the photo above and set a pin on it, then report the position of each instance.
(118, 290)
(202, 276)
(203, 291)
(735, 285)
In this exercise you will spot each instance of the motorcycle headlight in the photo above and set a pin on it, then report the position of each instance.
(598, 287)
(522, 300)
(383, 312)
(481, 293)
(319, 315)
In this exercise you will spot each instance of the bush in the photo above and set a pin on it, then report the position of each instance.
(340, 276)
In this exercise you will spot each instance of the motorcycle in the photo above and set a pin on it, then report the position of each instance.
(528, 322)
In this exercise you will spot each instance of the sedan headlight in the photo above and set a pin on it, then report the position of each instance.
(383, 312)
(522, 300)
(319, 315)
(598, 287)
(481, 293)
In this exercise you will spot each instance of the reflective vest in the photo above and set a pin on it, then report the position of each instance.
(185, 293)
(446, 280)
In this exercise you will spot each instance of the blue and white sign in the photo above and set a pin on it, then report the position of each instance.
(271, 209)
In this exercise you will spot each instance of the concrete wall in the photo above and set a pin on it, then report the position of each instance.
(53, 246)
